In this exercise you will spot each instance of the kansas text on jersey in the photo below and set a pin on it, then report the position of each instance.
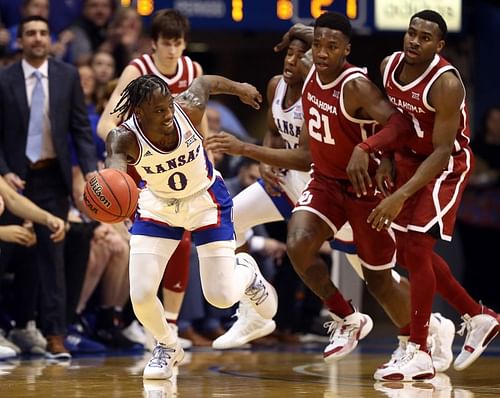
(175, 174)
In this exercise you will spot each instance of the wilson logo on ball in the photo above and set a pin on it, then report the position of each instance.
(97, 189)
(89, 204)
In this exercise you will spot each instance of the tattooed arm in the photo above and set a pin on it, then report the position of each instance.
(122, 148)
(194, 100)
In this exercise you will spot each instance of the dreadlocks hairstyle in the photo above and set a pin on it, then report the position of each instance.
(336, 21)
(138, 91)
(432, 16)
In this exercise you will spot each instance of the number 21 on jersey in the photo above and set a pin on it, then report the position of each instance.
(319, 127)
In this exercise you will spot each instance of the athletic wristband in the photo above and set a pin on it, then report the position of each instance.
(364, 147)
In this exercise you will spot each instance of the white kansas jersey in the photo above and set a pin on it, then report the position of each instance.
(174, 174)
(289, 122)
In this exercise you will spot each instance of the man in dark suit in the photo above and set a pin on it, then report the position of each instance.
(42, 110)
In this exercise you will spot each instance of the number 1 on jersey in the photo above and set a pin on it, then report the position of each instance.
(319, 123)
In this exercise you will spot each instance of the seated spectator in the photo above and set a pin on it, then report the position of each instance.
(103, 65)
(125, 39)
(90, 30)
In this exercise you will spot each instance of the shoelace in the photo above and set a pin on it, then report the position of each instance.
(465, 325)
(407, 357)
(257, 291)
(161, 355)
(398, 353)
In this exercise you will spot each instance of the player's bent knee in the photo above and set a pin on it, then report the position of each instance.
(217, 269)
(221, 296)
(141, 296)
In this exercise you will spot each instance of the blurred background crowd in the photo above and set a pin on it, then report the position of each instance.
(235, 40)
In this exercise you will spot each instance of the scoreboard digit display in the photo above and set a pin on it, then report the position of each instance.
(258, 14)
(365, 15)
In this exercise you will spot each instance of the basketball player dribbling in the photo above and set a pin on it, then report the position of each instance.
(183, 192)
(432, 166)
(169, 31)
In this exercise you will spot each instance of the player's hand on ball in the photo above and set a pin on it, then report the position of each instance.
(110, 196)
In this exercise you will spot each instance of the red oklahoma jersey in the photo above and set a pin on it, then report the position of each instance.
(333, 132)
(412, 100)
(433, 207)
(186, 72)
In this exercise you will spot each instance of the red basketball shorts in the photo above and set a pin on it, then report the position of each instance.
(436, 204)
(335, 202)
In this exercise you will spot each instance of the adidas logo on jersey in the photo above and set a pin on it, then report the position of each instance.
(148, 153)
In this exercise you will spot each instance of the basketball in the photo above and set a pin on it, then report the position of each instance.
(110, 196)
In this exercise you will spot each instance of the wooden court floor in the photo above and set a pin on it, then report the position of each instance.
(280, 373)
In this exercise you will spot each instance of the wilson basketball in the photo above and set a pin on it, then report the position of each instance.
(110, 196)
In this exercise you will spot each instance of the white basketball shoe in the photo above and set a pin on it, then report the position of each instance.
(481, 330)
(163, 360)
(260, 293)
(441, 333)
(249, 326)
(414, 365)
(396, 355)
(345, 334)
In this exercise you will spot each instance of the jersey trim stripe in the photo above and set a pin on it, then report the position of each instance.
(319, 214)
(188, 120)
(279, 87)
(190, 68)
(153, 146)
(339, 78)
(428, 87)
(212, 194)
(415, 82)
(309, 75)
(170, 81)
(139, 157)
(440, 212)
(355, 75)
(387, 67)
(139, 65)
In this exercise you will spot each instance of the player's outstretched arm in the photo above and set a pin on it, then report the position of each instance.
(206, 85)
(121, 148)
(295, 159)
(194, 100)
(25, 208)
